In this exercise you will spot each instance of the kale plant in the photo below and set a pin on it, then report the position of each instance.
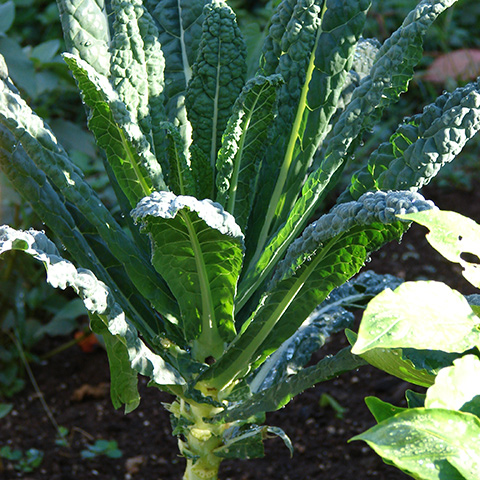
(214, 282)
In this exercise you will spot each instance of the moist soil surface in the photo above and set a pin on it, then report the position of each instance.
(75, 388)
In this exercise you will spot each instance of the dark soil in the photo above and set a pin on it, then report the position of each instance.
(150, 452)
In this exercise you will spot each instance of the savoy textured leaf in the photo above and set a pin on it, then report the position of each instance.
(390, 74)
(87, 32)
(197, 248)
(422, 145)
(272, 49)
(329, 252)
(304, 113)
(128, 151)
(179, 23)
(243, 146)
(137, 68)
(218, 76)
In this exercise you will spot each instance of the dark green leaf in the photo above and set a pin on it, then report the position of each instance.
(280, 394)
(218, 76)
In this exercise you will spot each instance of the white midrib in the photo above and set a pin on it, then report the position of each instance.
(288, 157)
(187, 70)
(213, 142)
(245, 357)
(238, 159)
(209, 330)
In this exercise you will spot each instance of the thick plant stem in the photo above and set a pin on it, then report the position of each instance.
(200, 440)
(206, 467)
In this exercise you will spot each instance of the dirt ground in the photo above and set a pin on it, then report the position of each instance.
(150, 452)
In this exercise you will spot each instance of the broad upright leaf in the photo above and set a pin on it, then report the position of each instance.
(127, 350)
(328, 253)
(243, 146)
(218, 76)
(197, 248)
(391, 320)
(87, 32)
(128, 152)
(389, 77)
(429, 444)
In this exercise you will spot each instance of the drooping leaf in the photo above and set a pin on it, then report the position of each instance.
(243, 146)
(431, 444)
(247, 441)
(328, 253)
(218, 76)
(50, 207)
(456, 237)
(37, 140)
(392, 318)
(129, 352)
(128, 151)
(197, 248)
(279, 394)
(389, 77)
(329, 317)
(87, 32)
